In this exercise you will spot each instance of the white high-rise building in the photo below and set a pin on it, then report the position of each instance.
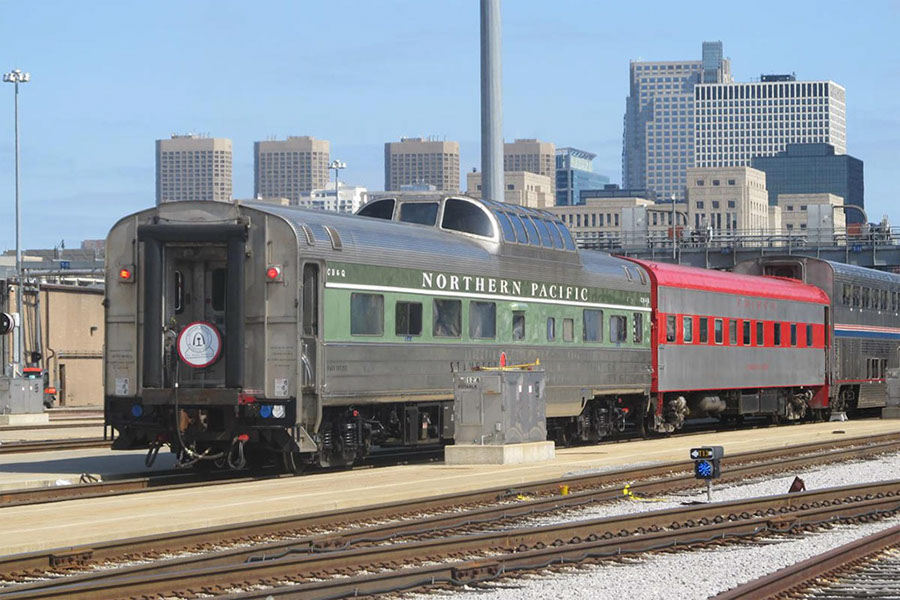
(735, 122)
(349, 198)
(658, 142)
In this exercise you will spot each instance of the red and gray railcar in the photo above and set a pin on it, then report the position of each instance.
(730, 345)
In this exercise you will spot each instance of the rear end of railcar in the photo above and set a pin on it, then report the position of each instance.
(202, 334)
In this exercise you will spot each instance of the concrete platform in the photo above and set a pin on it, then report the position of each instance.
(42, 469)
(507, 454)
(45, 526)
(25, 419)
(51, 431)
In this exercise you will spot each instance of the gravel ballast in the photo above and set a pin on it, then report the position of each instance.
(701, 573)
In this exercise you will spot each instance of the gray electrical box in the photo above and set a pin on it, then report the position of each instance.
(497, 407)
(21, 395)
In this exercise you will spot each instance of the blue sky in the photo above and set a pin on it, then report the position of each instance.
(110, 77)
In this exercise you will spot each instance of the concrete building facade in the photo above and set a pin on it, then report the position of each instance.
(533, 156)
(736, 122)
(814, 168)
(413, 161)
(72, 332)
(290, 168)
(193, 167)
(795, 208)
(658, 139)
(575, 172)
(732, 199)
(520, 187)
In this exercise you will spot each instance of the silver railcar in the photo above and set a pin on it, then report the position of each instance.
(236, 332)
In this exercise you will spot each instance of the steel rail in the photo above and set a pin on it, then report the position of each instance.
(776, 513)
(793, 579)
(499, 565)
(86, 554)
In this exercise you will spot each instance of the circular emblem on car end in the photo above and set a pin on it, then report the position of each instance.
(199, 344)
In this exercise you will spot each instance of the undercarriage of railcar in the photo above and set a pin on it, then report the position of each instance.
(778, 404)
(257, 432)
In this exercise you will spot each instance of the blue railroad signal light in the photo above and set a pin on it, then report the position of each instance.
(706, 461)
(704, 469)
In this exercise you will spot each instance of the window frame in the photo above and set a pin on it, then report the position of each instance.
(381, 298)
(760, 333)
(408, 303)
(703, 338)
(584, 324)
(434, 318)
(687, 329)
(622, 329)
(718, 331)
(519, 314)
(551, 329)
(472, 303)
(571, 330)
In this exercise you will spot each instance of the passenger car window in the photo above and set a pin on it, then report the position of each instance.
(423, 213)
(846, 295)
(732, 333)
(776, 327)
(718, 332)
(593, 325)
(793, 334)
(568, 330)
(380, 209)
(638, 327)
(670, 328)
(809, 336)
(218, 290)
(482, 320)
(464, 216)
(447, 318)
(856, 295)
(759, 333)
(747, 340)
(509, 233)
(688, 329)
(408, 318)
(366, 314)
(704, 330)
(551, 329)
(518, 325)
(618, 328)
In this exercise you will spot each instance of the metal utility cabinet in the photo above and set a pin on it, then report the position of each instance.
(499, 406)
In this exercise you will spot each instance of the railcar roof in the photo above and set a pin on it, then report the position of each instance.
(862, 272)
(779, 288)
(381, 238)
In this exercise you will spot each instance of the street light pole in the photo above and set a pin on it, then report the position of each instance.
(15, 77)
(337, 165)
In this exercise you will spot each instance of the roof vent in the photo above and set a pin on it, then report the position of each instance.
(336, 242)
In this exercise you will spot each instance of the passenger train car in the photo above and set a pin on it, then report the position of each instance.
(729, 345)
(864, 306)
(241, 330)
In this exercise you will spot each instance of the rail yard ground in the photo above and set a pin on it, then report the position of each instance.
(44, 526)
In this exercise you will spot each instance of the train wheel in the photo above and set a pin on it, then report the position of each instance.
(293, 463)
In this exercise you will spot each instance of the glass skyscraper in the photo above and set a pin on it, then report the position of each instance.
(814, 169)
(658, 140)
(575, 172)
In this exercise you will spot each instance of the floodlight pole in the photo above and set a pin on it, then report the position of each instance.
(15, 77)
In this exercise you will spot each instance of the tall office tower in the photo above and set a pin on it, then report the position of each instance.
(291, 169)
(658, 140)
(419, 161)
(193, 167)
(814, 169)
(533, 156)
(736, 122)
(575, 172)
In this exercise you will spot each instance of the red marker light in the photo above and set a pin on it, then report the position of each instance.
(273, 273)
(503, 359)
(125, 274)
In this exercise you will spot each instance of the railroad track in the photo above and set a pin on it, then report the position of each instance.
(404, 520)
(53, 445)
(377, 561)
(865, 568)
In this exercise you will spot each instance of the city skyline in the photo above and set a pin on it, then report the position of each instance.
(90, 115)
